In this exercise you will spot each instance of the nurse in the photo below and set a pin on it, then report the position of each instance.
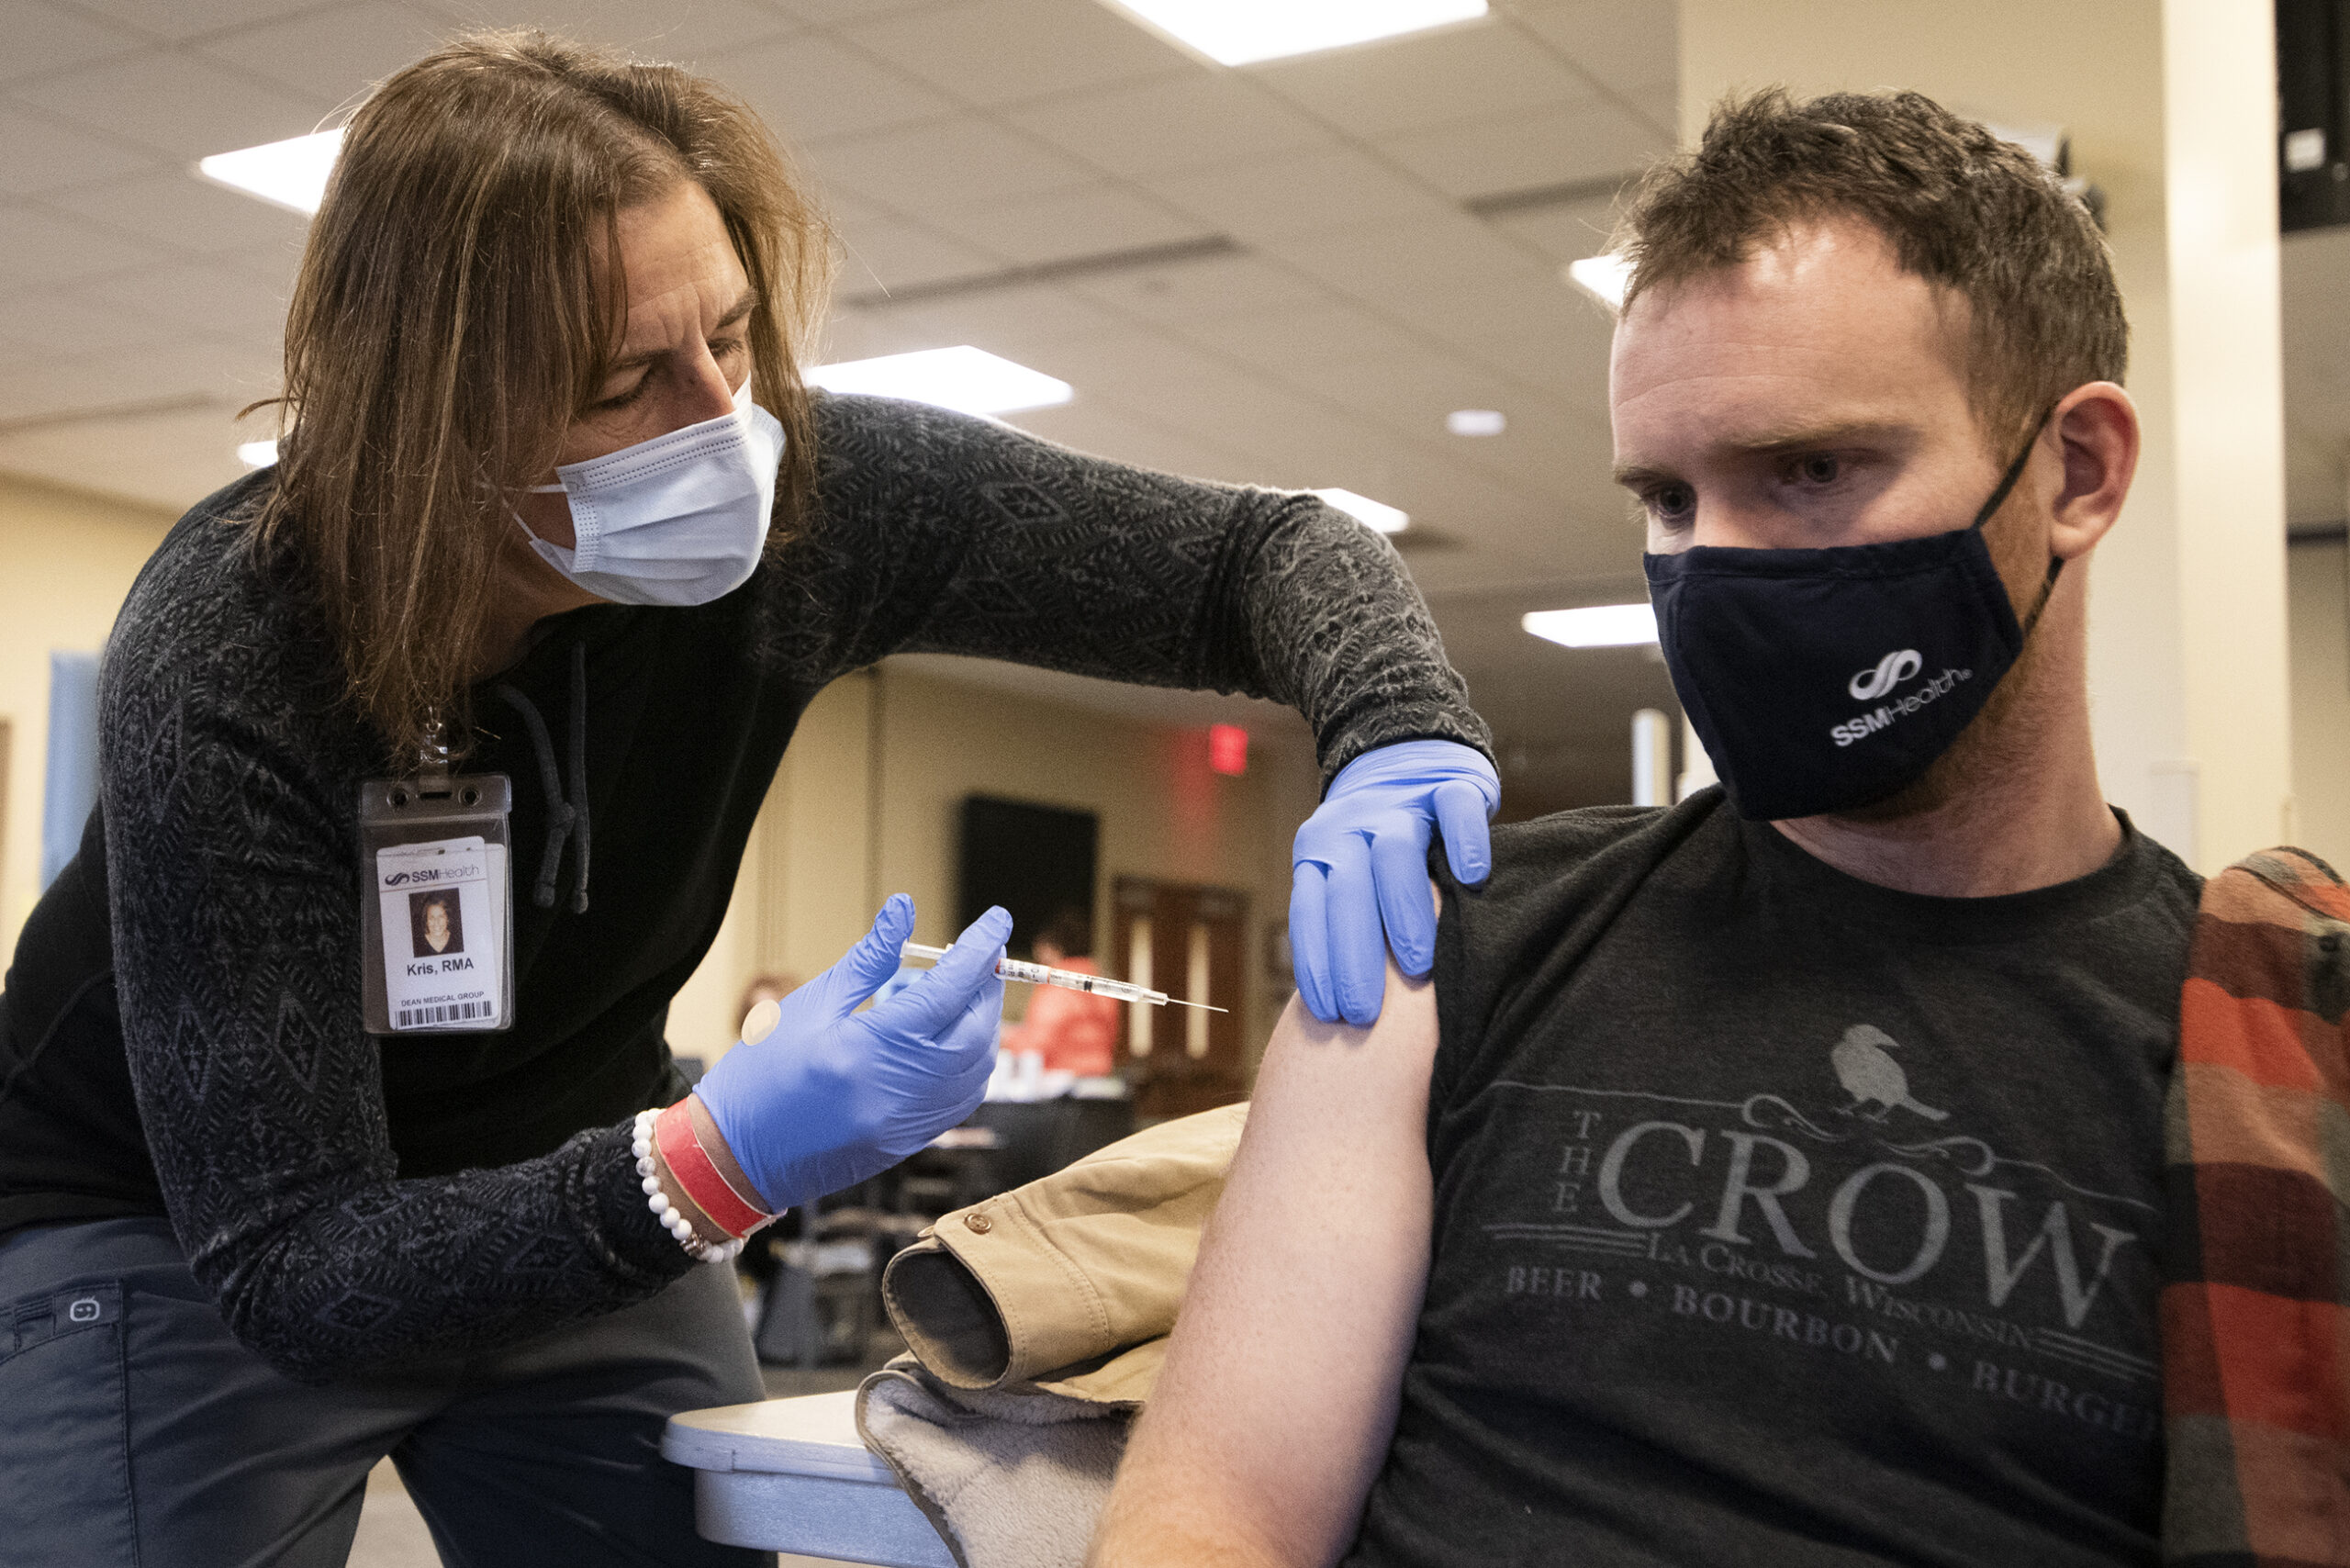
(554, 495)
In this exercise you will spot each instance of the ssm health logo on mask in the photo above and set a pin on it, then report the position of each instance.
(1890, 671)
(1878, 682)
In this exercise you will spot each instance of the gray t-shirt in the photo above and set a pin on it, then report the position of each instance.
(1782, 1218)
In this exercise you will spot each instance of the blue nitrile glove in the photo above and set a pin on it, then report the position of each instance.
(1363, 860)
(831, 1095)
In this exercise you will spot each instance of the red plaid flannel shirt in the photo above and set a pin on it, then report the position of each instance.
(2256, 1304)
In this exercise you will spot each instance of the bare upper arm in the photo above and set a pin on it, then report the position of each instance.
(1280, 1392)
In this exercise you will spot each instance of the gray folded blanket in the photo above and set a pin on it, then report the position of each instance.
(1009, 1480)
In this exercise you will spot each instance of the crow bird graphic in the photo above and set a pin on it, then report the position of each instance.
(1871, 1077)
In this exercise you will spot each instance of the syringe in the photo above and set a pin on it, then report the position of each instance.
(1067, 980)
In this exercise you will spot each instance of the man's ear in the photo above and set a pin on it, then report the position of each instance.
(2096, 430)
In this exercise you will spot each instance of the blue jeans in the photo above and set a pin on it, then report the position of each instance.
(136, 1430)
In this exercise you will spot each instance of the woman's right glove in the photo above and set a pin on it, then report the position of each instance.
(831, 1095)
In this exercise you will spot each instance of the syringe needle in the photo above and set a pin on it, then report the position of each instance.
(1178, 1002)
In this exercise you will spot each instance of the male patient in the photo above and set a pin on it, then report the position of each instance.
(1773, 1180)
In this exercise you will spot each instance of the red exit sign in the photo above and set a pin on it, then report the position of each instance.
(1228, 749)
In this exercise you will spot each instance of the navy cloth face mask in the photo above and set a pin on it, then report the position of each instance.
(1820, 680)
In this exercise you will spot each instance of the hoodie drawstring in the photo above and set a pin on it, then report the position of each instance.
(564, 814)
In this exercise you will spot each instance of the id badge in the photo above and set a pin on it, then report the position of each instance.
(436, 939)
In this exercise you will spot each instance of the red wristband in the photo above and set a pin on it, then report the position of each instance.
(673, 1133)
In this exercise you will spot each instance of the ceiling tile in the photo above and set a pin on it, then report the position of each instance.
(1438, 273)
(39, 247)
(1165, 126)
(177, 104)
(1472, 73)
(1280, 197)
(1499, 308)
(1150, 377)
(1127, 362)
(44, 39)
(859, 334)
(178, 211)
(170, 366)
(1549, 146)
(893, 254)
(168, 459)
(1626, 44)
(1056, 224)
(824, 13)
(1030, 323)
(1006, 52)
(1204, 289)
(1659, 105)
(1562, 351)
(273, 262)
(842, 208)
(944, 163)
(1408, 393)
(195, 297)
(1265, 422)
(336, 54)
(691, 33)
(45, 155)
(191, 18)
(51, 323)
(20, 359)
(1560, 452)
(810, 89)
(1309, 333)
(1567, 233)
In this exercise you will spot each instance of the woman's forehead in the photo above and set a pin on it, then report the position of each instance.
(682, 270)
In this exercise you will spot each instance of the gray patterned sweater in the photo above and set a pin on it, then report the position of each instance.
(181, 1033)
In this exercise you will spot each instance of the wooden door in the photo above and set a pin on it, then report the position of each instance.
(1188, 942)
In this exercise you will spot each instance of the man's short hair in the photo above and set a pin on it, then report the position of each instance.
(1961, 208)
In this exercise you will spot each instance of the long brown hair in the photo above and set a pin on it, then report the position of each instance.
(459, 299)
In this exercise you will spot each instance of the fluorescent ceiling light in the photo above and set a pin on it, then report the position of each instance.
(257, 454)
(1241, 32)
(970, 380)
(1605, 278)
(1595, 626)
(1371, 514)
(291, 174)
(1476, 422)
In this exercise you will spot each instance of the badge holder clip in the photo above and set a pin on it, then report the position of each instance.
(435, 902)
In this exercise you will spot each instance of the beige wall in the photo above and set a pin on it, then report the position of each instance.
(2171, 104)
(66, 560)
(898, 751)
(2321, 630)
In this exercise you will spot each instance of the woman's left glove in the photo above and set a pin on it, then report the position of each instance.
(1362, 861)
(831, 1095)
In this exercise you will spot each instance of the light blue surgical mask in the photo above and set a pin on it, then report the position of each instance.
(678, 519)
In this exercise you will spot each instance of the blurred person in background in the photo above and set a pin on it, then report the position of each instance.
(764, 988)
(1071, 1031)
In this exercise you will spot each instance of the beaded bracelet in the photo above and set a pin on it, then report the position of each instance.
(671, 1219)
